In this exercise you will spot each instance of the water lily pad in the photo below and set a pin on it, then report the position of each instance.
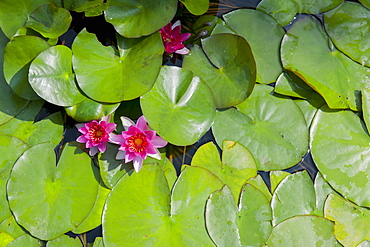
(236, 167)
(140, 210)
(351, 221)
(61, 196)
(227, 66)
(11, 227)
(248, 224)
(272, 128)
(264, 35)
(109, 75)
(63, 241)
(258, 182)
(348, 28)
(175, 96)
(366, 3)
(306, 50)
(5, 239)
(317, 231)
(140, 17)
(293, 196)
(276, 177)
(322, 190)
(25, 240)
(98, 242)
(196, 7)
(366, 107)
(52, 78)
(81, 5)
(50, 21)
(309, 107)
(340, 149)
(19, 53)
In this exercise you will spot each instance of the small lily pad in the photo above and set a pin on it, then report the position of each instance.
(196, 7)
(63, 241)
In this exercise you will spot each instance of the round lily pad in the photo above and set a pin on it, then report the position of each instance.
(196, 7)
(272, 128)
(52, 78)
(340, 149)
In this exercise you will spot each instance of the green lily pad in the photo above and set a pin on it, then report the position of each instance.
(109, 75)
(5, 239)
(52, 78)
(138, 18)
(272, 128)
(317, 231)
(236, 167)
(264, 36)
(81, 5)
(175, 96)
(61, 196)
(351, 221)
(19, 53)
(98, 242)
(366, 107)
(366, 3)
(63, 241)
(248, 224)
(348, 28)
(140, 210)
(293, 196)
(88, 110)
(310, 107)
(276, 177)
(50, 21)
(196, 7)
(258, 182)
(14, 14)
(306, 50)
(284, 11)
(340, 147)
(227, 66)
(25, 240)
(322, 190)
(11, 227)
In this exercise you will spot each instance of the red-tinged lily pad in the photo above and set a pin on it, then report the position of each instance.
(272, 128)
(348, 27)
(351, 221)
(306, 51)
(340, 150)
(109, 75)
(60, 196)
(141, 210)
(179, 107)
(138, 18)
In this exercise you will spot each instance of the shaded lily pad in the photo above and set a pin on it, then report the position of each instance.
(63, 241)
(81, 5)
(322, 190)
(175, 96)
(317, 231)
(50, 21)
(196, 7)
(264, 36)
(61, 196)
(272, 128)
(226, 65)
(351, 221)
(19, 53)
(109, 75)
(258, 182)
(366, 107)
(276, 177)
(366, 3)
(248, 224)
(52, 78)
(348, 28)
(306, 50)
(133, 217)
(138, 18)
(340, 149)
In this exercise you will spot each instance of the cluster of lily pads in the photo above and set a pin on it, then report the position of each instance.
(272, 84)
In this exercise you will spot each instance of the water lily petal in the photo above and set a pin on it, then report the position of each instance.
(126, 122)
(142, 124)
(117, 139)
(158, 142)
(157, 155)
(93, 151)
(184, 36)
(120, 155)
(150, 134)
(80, 126)
(81, 139)
(110, 127)
(177, 23)
(138, 163)
(102, 147)
(183, 51)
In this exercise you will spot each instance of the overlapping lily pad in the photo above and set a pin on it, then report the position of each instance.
(109, 75)
(340, 149)
(59, 198)
(63, 241)
(179, 107)
(226, 65)
(80, 5)
(272, 128)
(141, 17)
(25, 240)
(196, 7)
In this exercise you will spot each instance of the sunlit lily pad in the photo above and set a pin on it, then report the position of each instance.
(272, 128)
(25, 240)
(19, 53)
(63, 241)
(260, 184)
(348, 28)
(276, 177)
(140, 210)
(5, 239)
(248, 224)
(179, 107)
(351, 221)
(306, 50)
(109, 75)
(304, 230)
(59, 198)
(196, 7)
(264, 35)
(322, 190)
(11, 227)
(340, 149)
(52, 78)
(141, 17)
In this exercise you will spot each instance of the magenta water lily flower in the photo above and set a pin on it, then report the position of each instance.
(137, 142)
(96, 134)
(173, 38)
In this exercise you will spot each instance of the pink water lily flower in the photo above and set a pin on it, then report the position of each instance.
(137, 142)
(172, 38)
(96, 134)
